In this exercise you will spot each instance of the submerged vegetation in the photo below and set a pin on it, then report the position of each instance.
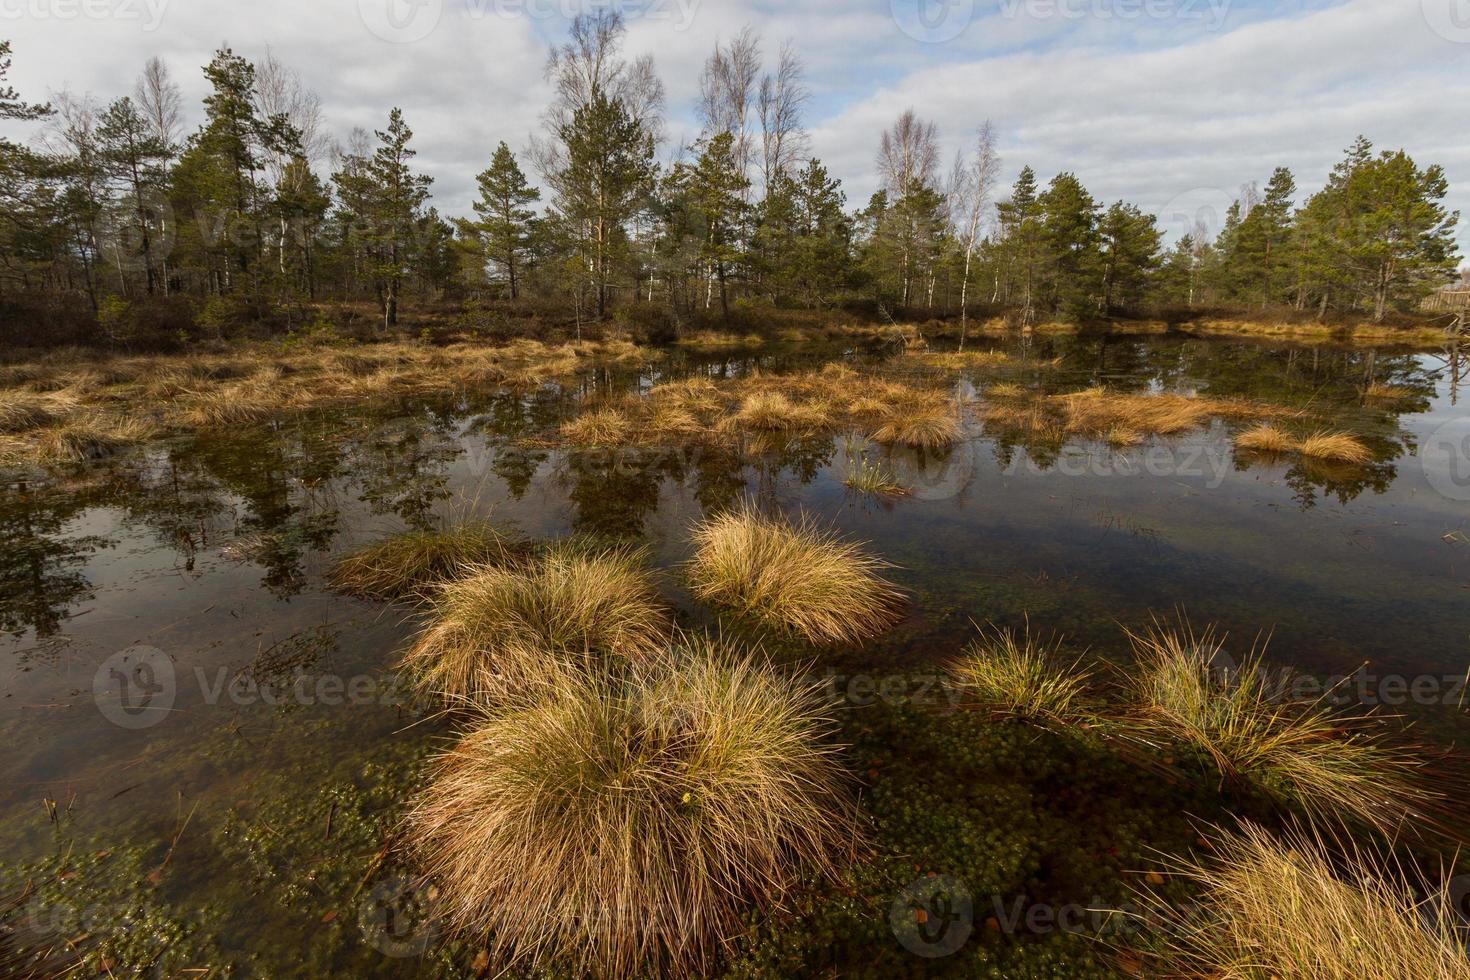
(409, 563)
(627, 824)
(793, 578)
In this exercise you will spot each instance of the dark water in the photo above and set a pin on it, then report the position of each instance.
(248, 828)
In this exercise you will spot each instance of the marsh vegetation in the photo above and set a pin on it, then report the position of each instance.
(678, 657)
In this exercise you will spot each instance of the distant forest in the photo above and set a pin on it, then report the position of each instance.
(117, 223)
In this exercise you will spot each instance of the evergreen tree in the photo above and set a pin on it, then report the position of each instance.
(1129, 243)
(134, 156)
(1069, 218)
(715, 186)
(607, 178)
(505, 220)
(1024, 244)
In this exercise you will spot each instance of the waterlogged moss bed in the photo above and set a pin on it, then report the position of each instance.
(252, 829)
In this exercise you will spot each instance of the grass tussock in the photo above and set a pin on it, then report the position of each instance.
(624, 826)
(88, 437)
(407, 564)
(22, 411)
(1292, 907)
(600, 428)
(501, 627)
(1015, 675)
(1241, 719)
(772, 411)
(794, 578)
(930, 424)
(1335, 447)
(1265, 439)
(862, 475)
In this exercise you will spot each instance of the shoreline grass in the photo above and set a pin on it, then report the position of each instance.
(626, 826)
(793, 578)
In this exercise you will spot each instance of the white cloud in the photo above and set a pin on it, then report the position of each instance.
(1146, 108)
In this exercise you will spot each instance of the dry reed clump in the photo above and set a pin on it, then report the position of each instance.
(1336, 447)
(1017, 676)
(960, 360)
(1294, 907)
(772, 411)
(626, 825)
(796, 578)
(1121, 438)
(88, 437)
(1378, 391)
(864, 476)
(22, 411)
(1005, 390)
(930, 423)
(711, 340)
(601, 427)
(1245, 724)
(407, 563)
(1265, 439)
(499, 628)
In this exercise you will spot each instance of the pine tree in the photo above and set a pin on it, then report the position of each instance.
(399, 196)
(1069, 233)
(607, 178)
(1129, 244)
(505, 223)
(133, 155)
(1024, 245)
(716, 187)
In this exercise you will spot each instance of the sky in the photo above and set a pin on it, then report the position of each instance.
(1170, 104)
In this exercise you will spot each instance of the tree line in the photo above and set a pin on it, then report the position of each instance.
(258, 215)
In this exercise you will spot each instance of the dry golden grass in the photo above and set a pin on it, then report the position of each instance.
(407, 564)
(930, 424)
(500, 627)
(958, 361)
(1242, 720)
(22, 411)
(1291, 907)
(1005, 390)
(88, 436)
(1377, 391)
(1121, 438)
(1265, 439)
(797, 578)
(712, 340)
(600, 427)
(772, 411)
(623, 826)
(1017, 676)
(1335, 446)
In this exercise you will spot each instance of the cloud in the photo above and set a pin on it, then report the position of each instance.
(1153, 101)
